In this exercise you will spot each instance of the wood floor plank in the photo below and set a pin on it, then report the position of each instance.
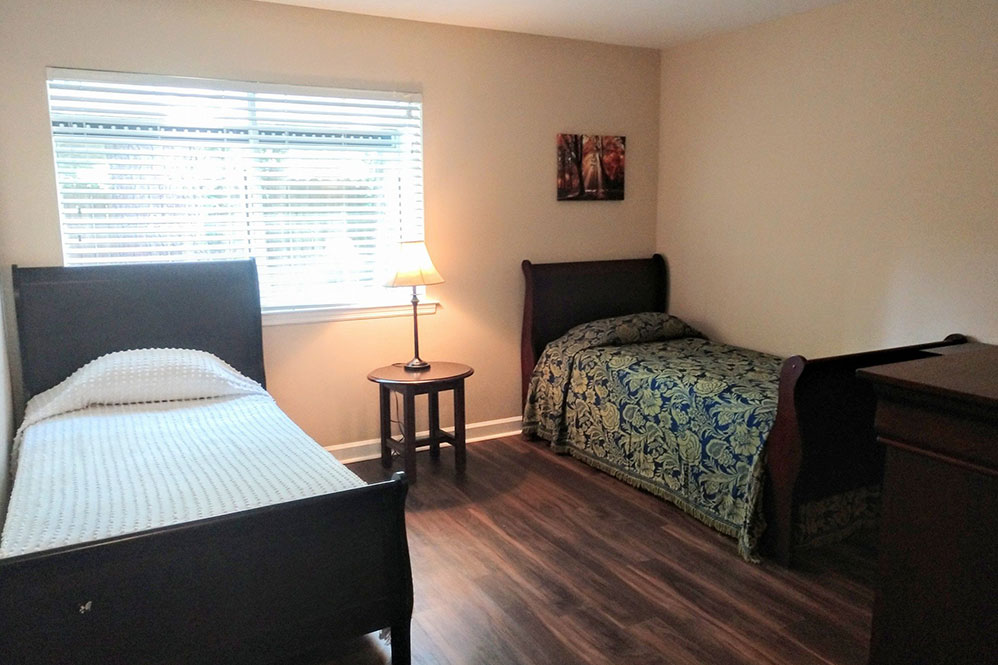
(533, 558)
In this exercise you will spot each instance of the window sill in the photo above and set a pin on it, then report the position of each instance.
(292, 316)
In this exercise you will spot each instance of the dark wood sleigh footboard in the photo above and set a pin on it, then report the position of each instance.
(259, 586)
(822, 443)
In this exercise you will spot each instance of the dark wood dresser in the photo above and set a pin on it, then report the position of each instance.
(937, 599)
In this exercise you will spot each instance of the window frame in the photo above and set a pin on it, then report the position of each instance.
(291, 313)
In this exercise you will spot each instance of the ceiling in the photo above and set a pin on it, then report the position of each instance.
(649, 23)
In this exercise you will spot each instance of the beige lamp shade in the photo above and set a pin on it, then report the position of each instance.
(413, 266)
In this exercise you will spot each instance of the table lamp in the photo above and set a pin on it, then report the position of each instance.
(413, 267)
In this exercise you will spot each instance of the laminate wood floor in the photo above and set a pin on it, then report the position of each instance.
(535, 558)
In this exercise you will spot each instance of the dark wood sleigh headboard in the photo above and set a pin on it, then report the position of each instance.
(66, 317)
(599, 289)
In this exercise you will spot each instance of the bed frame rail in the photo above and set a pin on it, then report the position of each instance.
(259, 586)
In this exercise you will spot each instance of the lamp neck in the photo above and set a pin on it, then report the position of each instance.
(416, 364)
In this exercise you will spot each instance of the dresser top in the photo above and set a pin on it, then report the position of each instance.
(970, 377)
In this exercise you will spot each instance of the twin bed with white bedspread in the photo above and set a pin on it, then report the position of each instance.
(163, 508)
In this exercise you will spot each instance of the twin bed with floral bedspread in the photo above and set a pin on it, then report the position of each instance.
(778, 454)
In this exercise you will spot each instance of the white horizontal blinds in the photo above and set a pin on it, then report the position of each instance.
(318, 185)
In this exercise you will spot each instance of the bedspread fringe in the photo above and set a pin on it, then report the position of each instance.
(663, 493)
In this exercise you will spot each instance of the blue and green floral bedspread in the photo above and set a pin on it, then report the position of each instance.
(649, 400)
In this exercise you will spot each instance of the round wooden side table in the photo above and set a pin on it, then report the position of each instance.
(440, 376)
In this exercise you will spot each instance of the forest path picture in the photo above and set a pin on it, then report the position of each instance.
(590, 167)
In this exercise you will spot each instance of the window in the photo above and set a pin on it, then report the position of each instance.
(319, 185)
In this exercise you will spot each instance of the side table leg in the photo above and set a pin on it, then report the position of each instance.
(434, 399)
(460, 457)
(386, 425)
(409, 433)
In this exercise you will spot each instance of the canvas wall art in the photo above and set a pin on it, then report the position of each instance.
(590, 167)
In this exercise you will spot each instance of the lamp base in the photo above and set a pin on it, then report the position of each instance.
(416, 365)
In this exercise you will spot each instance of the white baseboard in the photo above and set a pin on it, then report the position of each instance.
(358, 451)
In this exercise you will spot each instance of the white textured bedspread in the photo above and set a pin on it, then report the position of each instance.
(108, 470)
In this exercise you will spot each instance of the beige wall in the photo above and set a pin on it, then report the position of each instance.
(829, 181)
(824, 183)
(493, 103)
